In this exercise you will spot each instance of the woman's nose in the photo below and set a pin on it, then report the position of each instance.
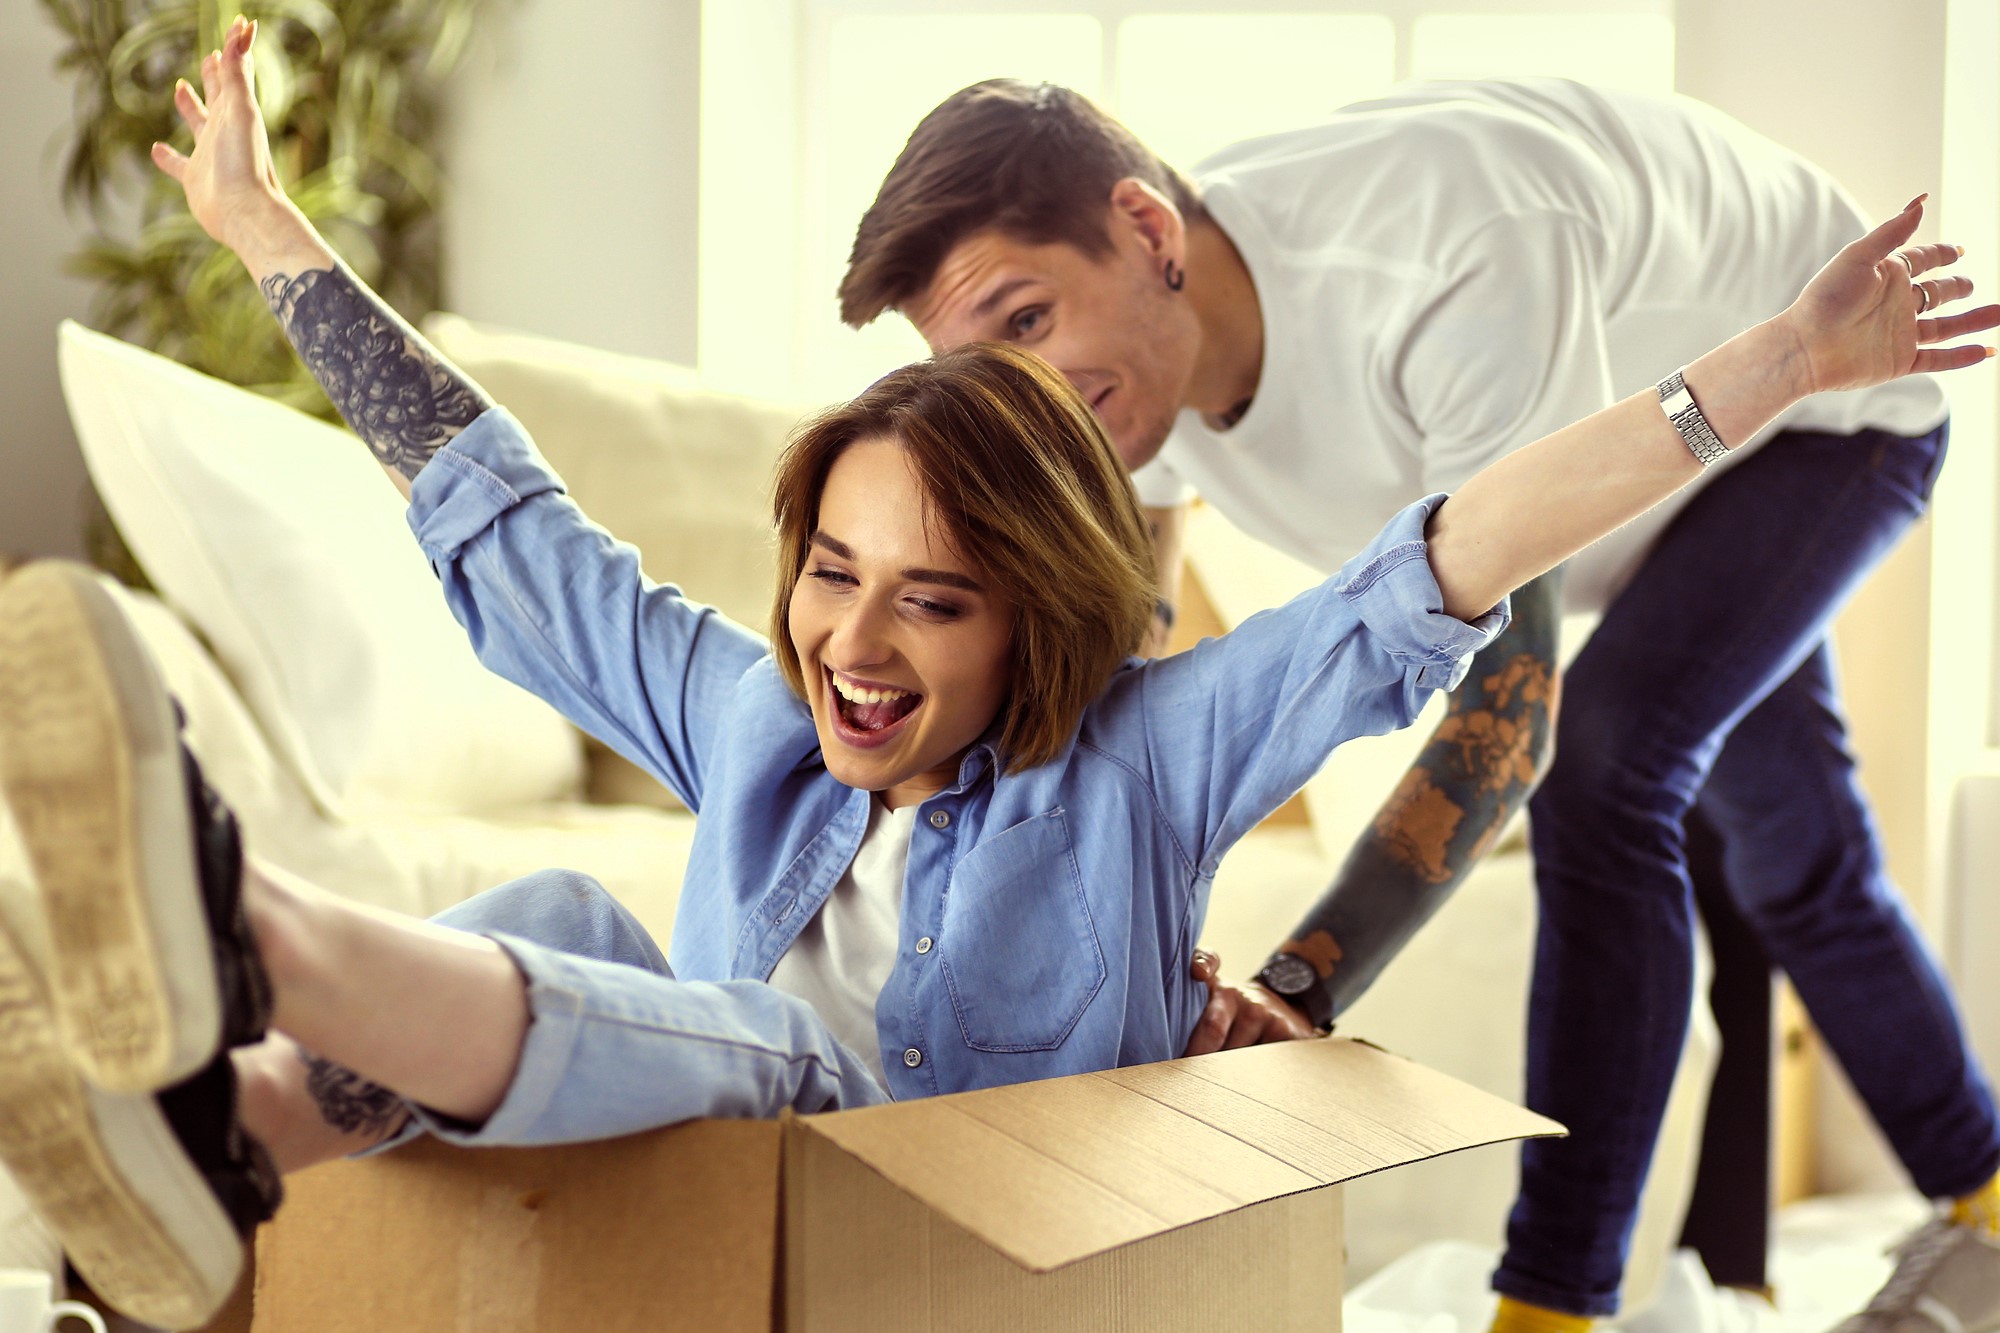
(861, 638)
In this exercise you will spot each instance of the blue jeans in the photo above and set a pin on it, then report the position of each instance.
(1709, 684)
(615, 1045)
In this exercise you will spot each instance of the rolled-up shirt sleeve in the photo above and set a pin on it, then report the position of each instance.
(555, 604)
(1236, 725)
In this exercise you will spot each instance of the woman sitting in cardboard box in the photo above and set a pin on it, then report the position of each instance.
(951, 833)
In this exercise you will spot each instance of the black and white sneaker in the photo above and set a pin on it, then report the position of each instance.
(150, 1195)
(1947, 1280)
(150, 967)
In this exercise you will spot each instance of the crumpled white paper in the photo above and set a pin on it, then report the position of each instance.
(1828, 1257)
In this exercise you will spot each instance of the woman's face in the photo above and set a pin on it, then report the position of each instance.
(904, 650)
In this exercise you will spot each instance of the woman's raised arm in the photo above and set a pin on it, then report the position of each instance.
(1861, 322)
(400, 396)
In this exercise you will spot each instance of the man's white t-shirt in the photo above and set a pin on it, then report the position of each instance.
(842, 959)
(1458, 269)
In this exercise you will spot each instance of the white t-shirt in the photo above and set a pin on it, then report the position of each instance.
(1458, 269)
(842, 959)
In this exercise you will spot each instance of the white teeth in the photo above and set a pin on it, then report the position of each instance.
(854, 694)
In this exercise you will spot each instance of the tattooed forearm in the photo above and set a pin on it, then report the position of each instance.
(399, 395)
(349, 1102)
(1476, 771)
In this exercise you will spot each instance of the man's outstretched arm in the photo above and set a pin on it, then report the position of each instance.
(1475, 772)
(400, 396)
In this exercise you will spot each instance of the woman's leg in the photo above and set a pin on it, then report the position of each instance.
(308, 1106)
(1737, 593)
(496, 1039)
(437, 1014)
(134, 967)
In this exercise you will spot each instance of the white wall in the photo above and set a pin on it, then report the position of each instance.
(571, 211)
(1861, 88)
(1965, 789)
(572, 173)
(42, 485)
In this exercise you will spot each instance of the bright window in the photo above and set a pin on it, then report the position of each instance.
(1189, 84)
(881, 74)
(1188, 76)
(1617, 50)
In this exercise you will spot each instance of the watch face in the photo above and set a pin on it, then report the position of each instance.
(1289, 974)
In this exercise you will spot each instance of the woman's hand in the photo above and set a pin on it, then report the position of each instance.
(1870, 314)
(232, 188)
(1246, 1015)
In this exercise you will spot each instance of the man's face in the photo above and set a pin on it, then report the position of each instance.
(1109, 324)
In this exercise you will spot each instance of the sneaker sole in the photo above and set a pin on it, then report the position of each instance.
(105, 1172)
(90, 765)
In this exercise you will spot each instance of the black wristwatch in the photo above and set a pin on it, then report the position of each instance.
(1297, 980)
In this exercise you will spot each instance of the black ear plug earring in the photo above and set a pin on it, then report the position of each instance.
(1176, 276)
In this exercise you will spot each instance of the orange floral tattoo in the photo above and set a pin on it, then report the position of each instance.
(1501, 750)
(1318, 948)
(1416, 826)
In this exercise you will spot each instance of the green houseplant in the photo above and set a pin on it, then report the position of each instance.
(351, 93)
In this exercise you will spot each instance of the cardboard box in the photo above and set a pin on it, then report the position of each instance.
(1192, 1193)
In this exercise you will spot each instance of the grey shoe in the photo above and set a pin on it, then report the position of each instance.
(150, 965)
(1947, 1280)
(151, 1196)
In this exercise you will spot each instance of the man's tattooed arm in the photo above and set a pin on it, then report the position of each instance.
(1477, 769)
(349, 1102)
(393, 388)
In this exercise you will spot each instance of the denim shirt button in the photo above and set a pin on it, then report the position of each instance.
(913, 1057)
(924, 944)
(940, 819)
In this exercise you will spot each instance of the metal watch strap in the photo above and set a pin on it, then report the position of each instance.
(1679, 405)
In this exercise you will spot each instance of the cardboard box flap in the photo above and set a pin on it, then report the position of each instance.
(1053, 1172)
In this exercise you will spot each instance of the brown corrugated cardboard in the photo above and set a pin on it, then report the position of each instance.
(1132, 1198)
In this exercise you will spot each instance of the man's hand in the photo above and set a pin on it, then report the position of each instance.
(1246, 1015)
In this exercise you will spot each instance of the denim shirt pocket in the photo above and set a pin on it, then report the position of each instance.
(1018, 948)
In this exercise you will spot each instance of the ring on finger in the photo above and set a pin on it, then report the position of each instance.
(1923, 295)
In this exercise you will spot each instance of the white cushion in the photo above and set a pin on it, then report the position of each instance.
(408, 862)
(280, 540)
(679, 472)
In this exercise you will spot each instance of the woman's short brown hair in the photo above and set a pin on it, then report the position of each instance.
(1035, 161)
(1020, 479)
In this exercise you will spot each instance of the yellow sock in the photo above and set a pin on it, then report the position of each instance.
(1520, 1317)
(1980, 1209)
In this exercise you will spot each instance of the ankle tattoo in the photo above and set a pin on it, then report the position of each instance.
(349, 1102)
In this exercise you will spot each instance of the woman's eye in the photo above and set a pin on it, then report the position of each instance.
(832, 578)
(937, 610)
(1025, 322)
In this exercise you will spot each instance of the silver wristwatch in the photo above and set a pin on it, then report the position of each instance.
(1679, 405)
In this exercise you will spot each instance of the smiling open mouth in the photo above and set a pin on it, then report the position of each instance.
(871, 710)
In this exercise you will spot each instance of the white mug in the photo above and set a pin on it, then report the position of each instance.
(28, 1304)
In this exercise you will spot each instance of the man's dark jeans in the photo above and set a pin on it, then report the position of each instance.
(1709, 684)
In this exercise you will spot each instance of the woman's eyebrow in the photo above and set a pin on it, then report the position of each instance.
(943, 577)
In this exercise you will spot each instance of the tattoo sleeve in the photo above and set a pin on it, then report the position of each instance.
(349, 1102)
(1476, 771)
(400, 396)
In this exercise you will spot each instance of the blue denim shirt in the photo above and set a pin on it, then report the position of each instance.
(1059, 905)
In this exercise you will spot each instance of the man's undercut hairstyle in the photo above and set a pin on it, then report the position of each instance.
(1036, 161)
(1022, 484)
